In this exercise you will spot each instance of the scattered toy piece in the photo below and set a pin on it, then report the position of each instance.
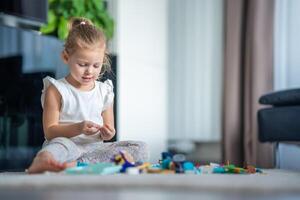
(98, 168)
(123, 162)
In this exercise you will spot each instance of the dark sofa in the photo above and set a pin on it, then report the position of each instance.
(281, 121)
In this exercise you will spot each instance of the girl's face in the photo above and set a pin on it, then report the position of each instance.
(85, 66)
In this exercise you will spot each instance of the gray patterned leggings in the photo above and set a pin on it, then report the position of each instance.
(65, 150)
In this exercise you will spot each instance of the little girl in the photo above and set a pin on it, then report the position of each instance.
(78, 109)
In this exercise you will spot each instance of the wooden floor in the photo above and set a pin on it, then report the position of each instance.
(273, 184)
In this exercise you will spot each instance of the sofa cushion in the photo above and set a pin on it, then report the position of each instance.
(279, 124)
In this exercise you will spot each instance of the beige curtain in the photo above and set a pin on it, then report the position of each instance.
(248, 73)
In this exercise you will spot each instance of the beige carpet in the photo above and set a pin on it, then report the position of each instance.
(272, 181)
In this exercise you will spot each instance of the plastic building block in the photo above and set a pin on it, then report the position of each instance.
(98, 168)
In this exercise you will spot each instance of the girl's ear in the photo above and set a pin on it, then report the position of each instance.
(64, 57)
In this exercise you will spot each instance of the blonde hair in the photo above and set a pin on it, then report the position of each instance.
(84, 34)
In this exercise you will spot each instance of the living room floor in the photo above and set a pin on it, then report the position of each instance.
(273, 184)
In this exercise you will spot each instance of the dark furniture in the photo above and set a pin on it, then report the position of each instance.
(281, 121)
(21, 131)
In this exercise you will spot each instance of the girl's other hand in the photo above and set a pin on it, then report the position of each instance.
(89, 128)
(107, 132)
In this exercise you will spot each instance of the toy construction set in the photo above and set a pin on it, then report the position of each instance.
(169, 164)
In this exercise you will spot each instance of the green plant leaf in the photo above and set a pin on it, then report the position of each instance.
(51, 1)
(51, 25)
(62, 31)
(62, 10)
(99, 5)
(110, 28)
(89, 5)
(78, 6)
(107, 23)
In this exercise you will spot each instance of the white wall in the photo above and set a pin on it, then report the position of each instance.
(287, 68)
(287, 44)
(142, 64)
(195, 70)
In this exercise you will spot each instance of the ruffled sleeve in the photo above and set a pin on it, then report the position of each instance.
(109, 94)
(47, 81)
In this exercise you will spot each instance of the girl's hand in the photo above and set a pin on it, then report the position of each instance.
(89, 128)
(107, 132)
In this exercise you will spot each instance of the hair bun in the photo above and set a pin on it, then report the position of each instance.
(77, 21)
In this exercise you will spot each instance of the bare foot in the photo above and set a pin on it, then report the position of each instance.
(44, 161)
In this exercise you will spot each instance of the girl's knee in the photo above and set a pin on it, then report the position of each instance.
(139, 150)
(63, 149)
(60, 140)
(142, 145)
(134, 144)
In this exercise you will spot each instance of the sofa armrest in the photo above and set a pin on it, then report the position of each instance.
(281, 98)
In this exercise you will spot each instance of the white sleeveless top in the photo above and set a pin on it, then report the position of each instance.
(77, 105)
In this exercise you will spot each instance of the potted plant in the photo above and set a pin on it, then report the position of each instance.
(60, 11)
